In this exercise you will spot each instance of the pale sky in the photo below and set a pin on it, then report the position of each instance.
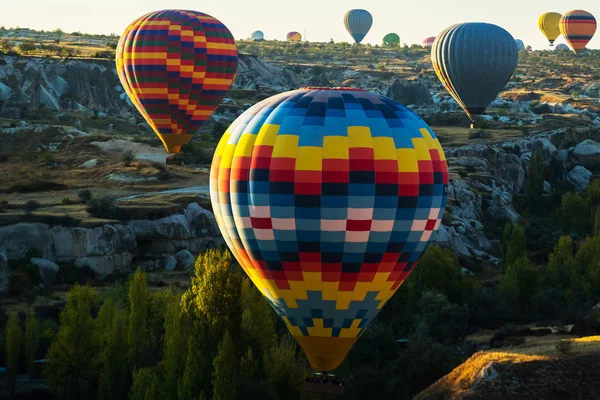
(322, 19)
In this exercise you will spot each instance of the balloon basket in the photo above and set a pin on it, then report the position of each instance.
(324, 384)
(175, 159)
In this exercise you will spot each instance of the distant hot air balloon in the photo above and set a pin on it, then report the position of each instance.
(176, 66)
(257, 36)
(293, 37)
(520, 45)
(428, 42)
(358, 23)
(391, 40)
(327, 198)
(578, 28)
(549, 25)
(562, 47)
(474, 61)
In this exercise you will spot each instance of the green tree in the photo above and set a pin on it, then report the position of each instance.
(513, 245)
(26, 47)
(225, 370)
(73, 354)
(178, 329)
(32, 339)
(258, 326)
(13, 351)
(588, 268)
(520, 283)
(111, 327)
(597, 222)
(146, 385)
(196, 380)
(139, 299)
(574, 214)
(285, 372)
(439, 270)
(560, 263)
(215, 292)
(6, 45)
(535, 177)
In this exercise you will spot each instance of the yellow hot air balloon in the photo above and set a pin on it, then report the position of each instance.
(549, 25)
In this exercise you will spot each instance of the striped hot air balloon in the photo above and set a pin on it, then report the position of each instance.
(293, 37)
(391, 40)
(257, 36)
(578, 27)
(358, 23)
(549, 25)
(474, 61)
(327, 198)
(428, 42)
(176, 66)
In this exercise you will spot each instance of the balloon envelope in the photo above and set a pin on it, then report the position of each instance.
(391, 39)
(428, 42)
(578, 27)
(257, 35)
(327, 198)
(549, 25)
(176, 66)
(562, 47)
(358, 23)
(474, 61)
(520, 45)
(293, 37)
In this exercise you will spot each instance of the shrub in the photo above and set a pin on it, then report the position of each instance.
(30, 206)
(67, 201)
(85, 195)
(102, 207)
(128, 157)
(3, 206)
(26, 47)
(564, 346)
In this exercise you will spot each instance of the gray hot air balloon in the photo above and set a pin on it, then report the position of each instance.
(520, 45)
(474, 61)
(257, 36)
(358, 22)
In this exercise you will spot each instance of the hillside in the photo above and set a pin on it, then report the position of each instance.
(535, 371)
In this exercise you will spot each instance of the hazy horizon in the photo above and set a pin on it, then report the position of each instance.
(320, 20)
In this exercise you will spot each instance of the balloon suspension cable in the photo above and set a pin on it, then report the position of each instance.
(324, 384)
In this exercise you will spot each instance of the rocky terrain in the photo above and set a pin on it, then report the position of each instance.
(534, 371)
(67, 123)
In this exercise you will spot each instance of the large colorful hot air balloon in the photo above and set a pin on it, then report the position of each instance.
(474, 61)
(428, 42)
(578, 28)
(293, 37)
(358, 23)
(520, 45)
(257, 36)
(391, 40)
(327, 198)
(176, 66)
(549, 25)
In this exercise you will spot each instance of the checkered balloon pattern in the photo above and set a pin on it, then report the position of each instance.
(327, 198)
(176, 66)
